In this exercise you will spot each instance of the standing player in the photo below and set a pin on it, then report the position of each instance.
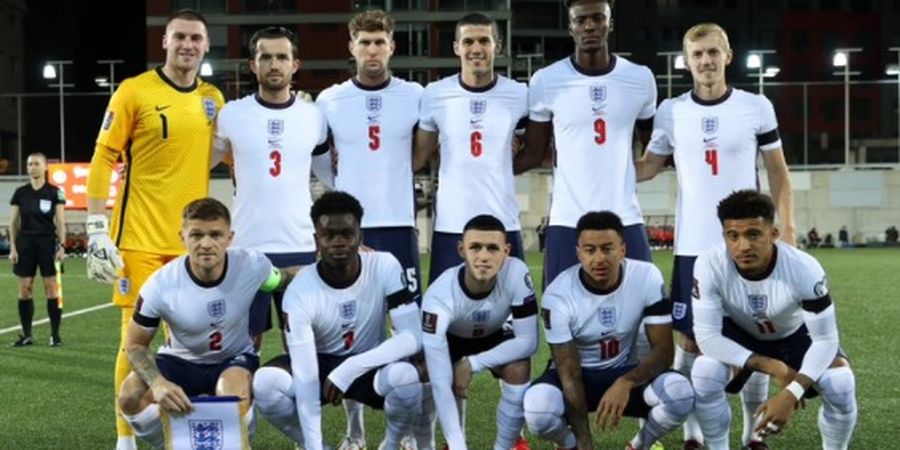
(763, 305)
(204, 298)
(372, 118)
(37, 231)
(464, 331)
(473, 115)
(160, 124)
(592, 313)
(335, 314)
(715, 132)
(272, 138)
(594, 100)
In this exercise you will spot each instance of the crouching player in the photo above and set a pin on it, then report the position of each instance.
(464, 331)
(336, 315)
(762, 305)
(204, 298)
(592, 313)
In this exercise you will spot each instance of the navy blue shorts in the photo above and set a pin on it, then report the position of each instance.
(561, 243)
(789, 350)
(362, 389)
(682, 285)
(597, 382)
(261, 310)
(445, 252)
(199, 379)
(461, 347)
(403, 243)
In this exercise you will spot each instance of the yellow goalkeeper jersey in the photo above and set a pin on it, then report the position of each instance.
(164, 134)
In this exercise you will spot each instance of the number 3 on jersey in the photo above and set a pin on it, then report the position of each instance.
(600, 131)
(275, 170)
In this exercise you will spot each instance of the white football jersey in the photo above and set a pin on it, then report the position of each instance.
(715, 146)
(769, 308)
(476, 128)
(593, 126)
(373, 131)
(604, 325)
(350, 320)
(272, 148)
(466, 317)
(207, 323)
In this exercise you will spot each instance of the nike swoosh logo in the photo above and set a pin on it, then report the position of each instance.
(474, 121)
(163, 107)
(705, 140)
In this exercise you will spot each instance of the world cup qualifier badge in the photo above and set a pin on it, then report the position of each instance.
(429, 322)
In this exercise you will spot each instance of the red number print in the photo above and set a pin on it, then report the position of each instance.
(215, 340)
(275, 170)
(348, 339)
(712, 158)
(374, 137)
(600, 131)
(609, 348)
(475, 141)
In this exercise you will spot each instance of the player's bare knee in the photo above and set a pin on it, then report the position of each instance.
(134, 395)
(236, 381)
(516, 372)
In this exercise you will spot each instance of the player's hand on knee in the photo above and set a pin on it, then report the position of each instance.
(612, 405)
(103, 258)
(169, 396)
(773, 415)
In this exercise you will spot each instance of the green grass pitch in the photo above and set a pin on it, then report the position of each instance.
(62, 397)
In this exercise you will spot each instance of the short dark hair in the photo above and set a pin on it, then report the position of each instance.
(569, 3)
(600, 220)
(206, 209)
(274, 33)
(746, 204)
(371, 21)
(485, 222)
(188, 14)
(336, 202)
(477, 18)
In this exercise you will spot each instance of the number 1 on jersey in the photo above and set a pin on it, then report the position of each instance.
(374, 137)
(712, 158)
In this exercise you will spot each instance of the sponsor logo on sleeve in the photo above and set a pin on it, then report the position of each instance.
(545, 314)
(108, 120)
(429, 322)
(821, 288)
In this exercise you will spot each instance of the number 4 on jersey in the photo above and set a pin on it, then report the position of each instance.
(712, 158)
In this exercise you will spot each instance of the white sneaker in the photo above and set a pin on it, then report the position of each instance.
(352, 444)
(126, 443)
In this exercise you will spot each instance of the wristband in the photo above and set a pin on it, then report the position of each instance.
(796, 389)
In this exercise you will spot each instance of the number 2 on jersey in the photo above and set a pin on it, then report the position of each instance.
(275, 170)
(712, 158)
(374, 137)
(348, 339)
(215, 340)
(600, 131)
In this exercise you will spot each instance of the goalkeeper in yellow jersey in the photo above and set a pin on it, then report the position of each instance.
(160, 124)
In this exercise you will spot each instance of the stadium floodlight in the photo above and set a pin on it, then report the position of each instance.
(756, 60)
(842, 59)
(50, 73)
(679, 62)
(108, 81)
(771, 71)
(206, 69)
(670, 64)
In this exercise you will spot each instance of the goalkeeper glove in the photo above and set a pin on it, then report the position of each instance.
(103, 259)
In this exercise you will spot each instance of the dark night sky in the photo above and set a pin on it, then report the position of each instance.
(67, 30)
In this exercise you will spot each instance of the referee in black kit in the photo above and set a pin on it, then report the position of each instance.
(37, 232)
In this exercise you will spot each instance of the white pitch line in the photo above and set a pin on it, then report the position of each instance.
(64, 316)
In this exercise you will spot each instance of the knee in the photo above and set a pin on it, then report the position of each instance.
(838, 389)
(25, 284)
(517, 372)
(400, 381)
(675, 392)
(709, 378)
(271, 385)
(50, 287)
(544, 407)
(131, 399)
